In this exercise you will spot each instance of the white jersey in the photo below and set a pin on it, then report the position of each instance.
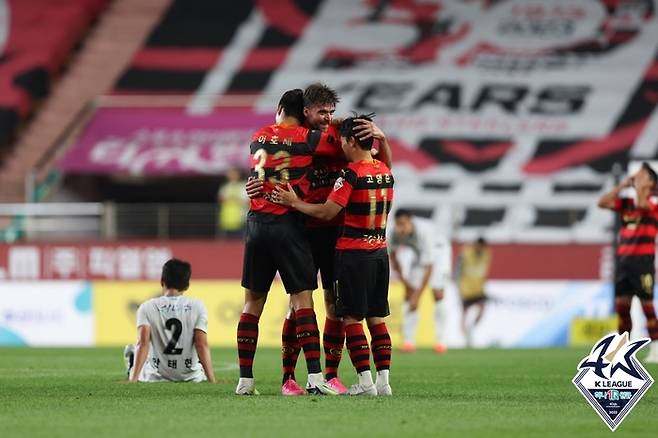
(423, 248)
(172, 355)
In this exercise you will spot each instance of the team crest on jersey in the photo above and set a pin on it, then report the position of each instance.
(338, 184)
(611, 378)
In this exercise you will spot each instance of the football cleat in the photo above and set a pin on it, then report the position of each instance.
(440, 348)
(316, 385)
(363, 389)
(652, 357)
(337, 386)
(408, 347)
(129, 357)
(292, 388)
(246, 386)
(383, 389)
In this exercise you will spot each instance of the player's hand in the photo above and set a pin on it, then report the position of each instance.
(285, 197)
(336, 121)
(627, 182)
(365, 129)
(254, 187)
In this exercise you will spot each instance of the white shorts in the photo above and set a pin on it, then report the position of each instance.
(151, 374)
(440, 277)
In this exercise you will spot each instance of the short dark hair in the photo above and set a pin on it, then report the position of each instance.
(652, 173)
(320, 94)
(176, 274)
(347, 130)
(481, 241)
(292, 103)
(402, 212)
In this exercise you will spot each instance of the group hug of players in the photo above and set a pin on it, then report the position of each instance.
(319, 201)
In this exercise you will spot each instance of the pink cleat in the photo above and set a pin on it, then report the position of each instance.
(292, 388)
(440, 348)
(408, 347)
(337, 386)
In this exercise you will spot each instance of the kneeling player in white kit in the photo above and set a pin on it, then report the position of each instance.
(420, 257)
(172, 334)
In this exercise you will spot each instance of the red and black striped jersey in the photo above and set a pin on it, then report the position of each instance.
(328, 161)
(281, 155)
(365, 190)
(637, 235)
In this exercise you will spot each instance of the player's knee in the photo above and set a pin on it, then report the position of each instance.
(302, 300)
(254, 302)
(374, 320)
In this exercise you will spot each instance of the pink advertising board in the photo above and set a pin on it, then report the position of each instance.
(163, 142)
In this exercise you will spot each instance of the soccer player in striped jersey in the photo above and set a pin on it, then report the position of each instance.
(634, 267)
(319, 106)
(365, 192)
(275, 241)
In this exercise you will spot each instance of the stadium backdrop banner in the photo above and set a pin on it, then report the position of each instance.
(517, 314)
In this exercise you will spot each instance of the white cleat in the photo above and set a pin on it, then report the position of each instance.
(383, 389)
(129, 357)
(363, 389)
(317, 385)
(652, 357)
(246, 386)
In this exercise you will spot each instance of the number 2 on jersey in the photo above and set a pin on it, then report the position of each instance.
(176, 327)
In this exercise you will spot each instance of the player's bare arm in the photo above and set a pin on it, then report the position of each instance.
(608, 199)
(325, 212)
(366, 129)
(141, 352)
(427, 273)
(203, 351)
(398, 270)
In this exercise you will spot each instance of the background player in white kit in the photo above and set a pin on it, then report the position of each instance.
(172, 334)
(420, 257)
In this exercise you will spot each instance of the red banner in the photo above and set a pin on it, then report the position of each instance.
(142, 260)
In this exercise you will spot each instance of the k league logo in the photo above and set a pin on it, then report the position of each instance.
(612, 379)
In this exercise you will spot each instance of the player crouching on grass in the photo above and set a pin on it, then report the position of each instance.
(172, 334)
(365, 191)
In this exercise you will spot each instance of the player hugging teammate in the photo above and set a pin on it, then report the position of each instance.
(328, 158)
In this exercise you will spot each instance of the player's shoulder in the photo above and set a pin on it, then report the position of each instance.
(149, 302)
(350, 173)
(195, 303)
(424, 226)
(147, 307)
(264, 131)
(380, 166)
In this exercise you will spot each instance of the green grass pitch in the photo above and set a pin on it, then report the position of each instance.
(464, 393)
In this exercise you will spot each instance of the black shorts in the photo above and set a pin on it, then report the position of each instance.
(323, 246)
(361, 284)
(635, 276)
(468, 302)
(282, 246)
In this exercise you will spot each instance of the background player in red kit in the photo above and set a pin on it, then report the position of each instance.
(365, 191)
(634, 267)
(275, 241)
